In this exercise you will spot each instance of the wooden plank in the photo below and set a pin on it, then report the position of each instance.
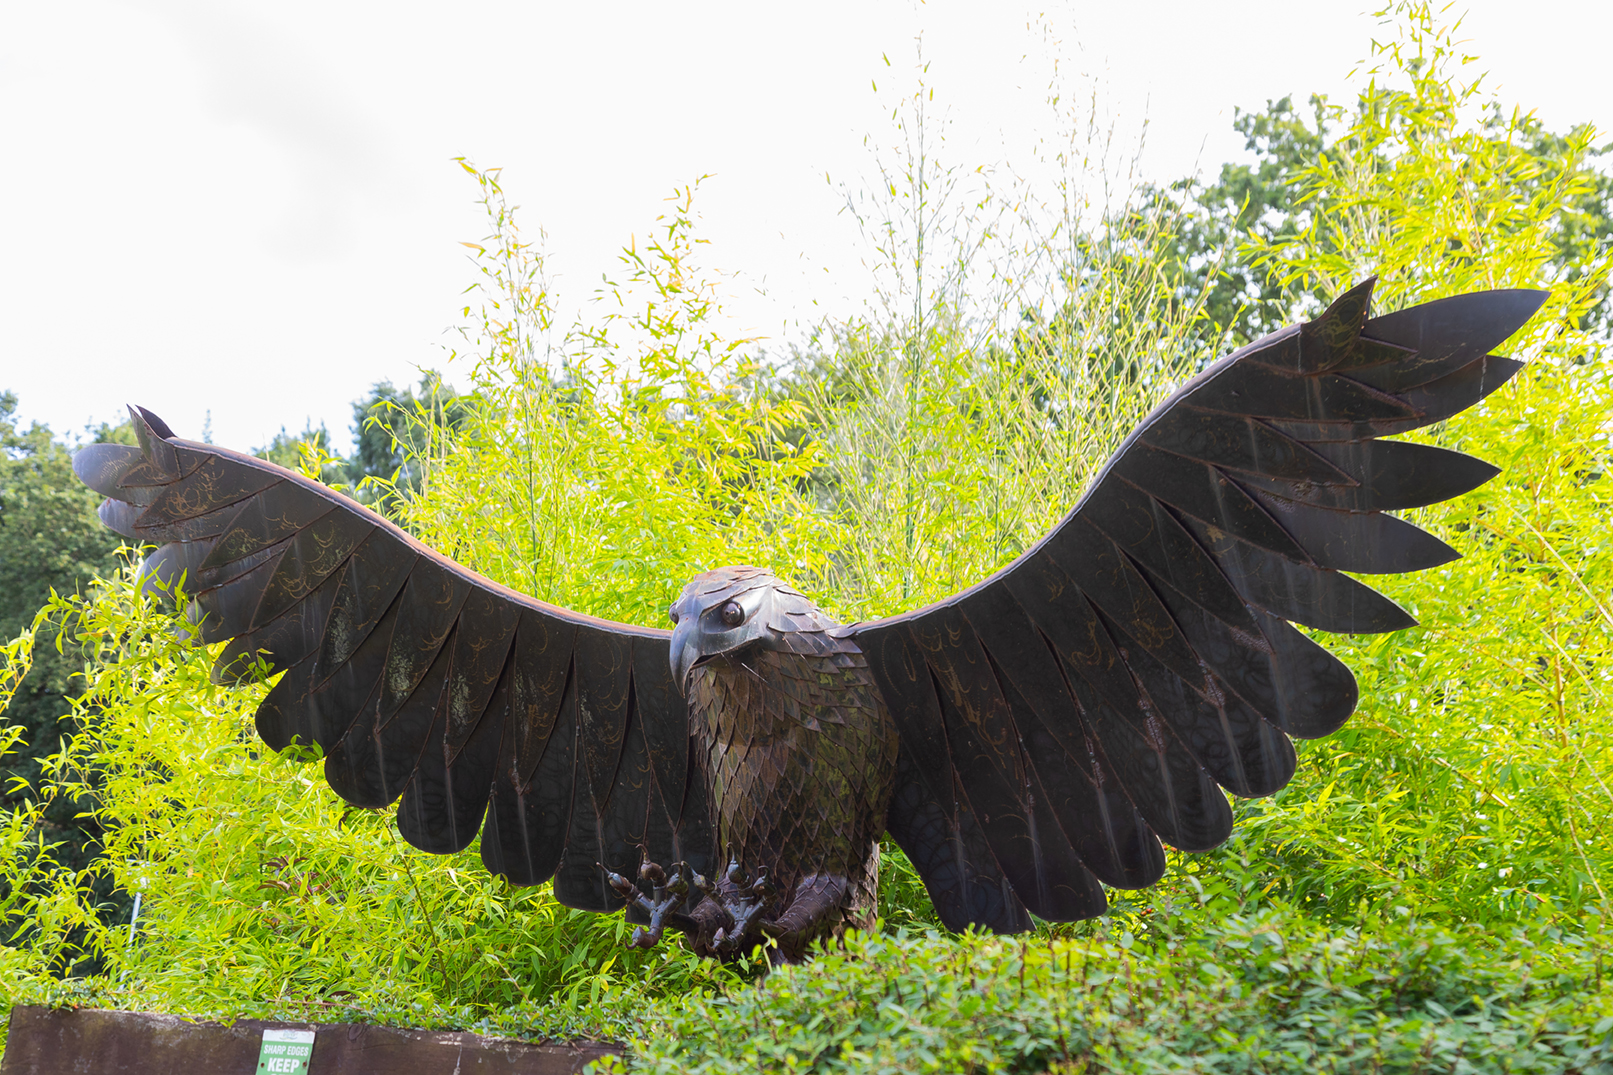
(45, 1041)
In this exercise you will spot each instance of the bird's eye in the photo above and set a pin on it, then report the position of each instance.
(732, 615)
(673, 613)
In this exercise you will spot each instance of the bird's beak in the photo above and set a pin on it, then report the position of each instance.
(685, 651)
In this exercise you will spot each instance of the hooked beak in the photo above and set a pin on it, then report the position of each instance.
(685, 651)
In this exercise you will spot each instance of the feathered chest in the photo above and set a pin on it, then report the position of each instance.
(799, 753)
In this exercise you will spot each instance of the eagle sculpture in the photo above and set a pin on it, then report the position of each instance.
(1026, 742)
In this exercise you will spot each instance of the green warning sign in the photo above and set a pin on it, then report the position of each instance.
(286, 1052)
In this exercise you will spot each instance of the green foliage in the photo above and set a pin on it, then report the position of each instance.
(1010, 345)
(1416, 192)
(1249, 991)
(1251, 203)
(50, 541)
(390, 430)
(388, 437)
(600, 466)
(1421, 181)
(309, 452)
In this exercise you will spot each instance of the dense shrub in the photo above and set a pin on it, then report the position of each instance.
(1266, 991)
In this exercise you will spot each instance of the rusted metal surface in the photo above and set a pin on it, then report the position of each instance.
(47, 1041)
(1026, 742)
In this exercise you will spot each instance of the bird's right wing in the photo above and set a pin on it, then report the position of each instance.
(1097, 694)
(424, 683)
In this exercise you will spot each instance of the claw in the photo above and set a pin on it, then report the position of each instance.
(745, 910)
(619, 884)
(666, 896)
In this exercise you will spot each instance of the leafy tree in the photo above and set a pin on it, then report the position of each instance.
(1246, 201)
(50, 541)
(309, 452)
(1310, 191)
(393, 428)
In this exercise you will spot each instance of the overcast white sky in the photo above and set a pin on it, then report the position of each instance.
(251, 208)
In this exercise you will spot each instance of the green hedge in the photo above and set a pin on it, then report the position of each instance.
(1268, 991)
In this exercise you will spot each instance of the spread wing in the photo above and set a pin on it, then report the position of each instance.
(557, 735)
(1094, 697)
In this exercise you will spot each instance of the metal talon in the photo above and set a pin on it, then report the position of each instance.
(667, 895)
(619, 884)
(744, 903)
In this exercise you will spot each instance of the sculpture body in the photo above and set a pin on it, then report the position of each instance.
(799, 753)
(1026, 742)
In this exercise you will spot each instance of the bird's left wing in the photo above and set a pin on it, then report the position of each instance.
(423, 682)
(1097, 694)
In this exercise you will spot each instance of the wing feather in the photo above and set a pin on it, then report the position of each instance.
(426, 809)
(985, 747)
(1067, 890)
(611, 804)
(943, 840)
(226, 607)
(313, 555)
(1314, 596)
(545, 798)
(1147, 530)
(1445, 335)
(1117, 589)
(1207, 494)
(1366, 541)
(666, 741)
(369, 586)
(282, 642)
(336, 695)
(272, 516)
(604, 667)
(1397, 475)
(446, 800)
(1238, 443)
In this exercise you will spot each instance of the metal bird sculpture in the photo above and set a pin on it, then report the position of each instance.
(1025, 742)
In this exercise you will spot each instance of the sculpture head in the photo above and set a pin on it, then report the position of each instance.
(729, 611)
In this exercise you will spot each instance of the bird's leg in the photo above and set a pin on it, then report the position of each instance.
(667, 894)
(743, 899)
(814, 910)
